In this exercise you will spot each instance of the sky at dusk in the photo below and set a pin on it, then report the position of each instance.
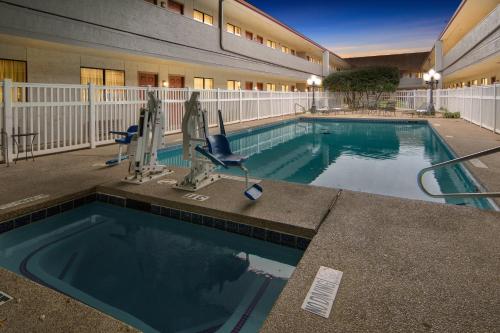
(365, 27)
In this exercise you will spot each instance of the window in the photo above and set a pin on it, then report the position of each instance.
(233, 85)
(15, 71)
(292, 88)
(249, 35)
(102, 77)
(260, 86)
(259, 40)
(203, 83)
(285, 49)
(493, 79)
(202, 17)
(174, 7)
(232, 29)
(313, 60)
(484, 81)
(285, 88)
(271, 44)
(152, 2)
(474, 82)
(249, 85)
(292, 52)
(271, 87)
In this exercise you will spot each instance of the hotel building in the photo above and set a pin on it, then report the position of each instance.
(467, 52)
(200, 44)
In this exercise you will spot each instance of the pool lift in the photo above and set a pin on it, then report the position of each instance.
(144, 144)
(214, 150)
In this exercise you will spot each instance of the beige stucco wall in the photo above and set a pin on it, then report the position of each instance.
(52, 65)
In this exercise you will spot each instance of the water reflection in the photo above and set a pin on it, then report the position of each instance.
(375, 157)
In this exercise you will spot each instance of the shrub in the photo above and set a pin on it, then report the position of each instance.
(363, 82)
(451, 114)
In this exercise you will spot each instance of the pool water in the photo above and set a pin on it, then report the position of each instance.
(375, 157)
(155, 273)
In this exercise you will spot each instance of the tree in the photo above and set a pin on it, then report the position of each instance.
(359, 82)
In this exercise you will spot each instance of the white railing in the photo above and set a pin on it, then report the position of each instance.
(478, 104)
(68, 117)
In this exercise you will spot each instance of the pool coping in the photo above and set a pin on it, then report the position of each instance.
(165, 210)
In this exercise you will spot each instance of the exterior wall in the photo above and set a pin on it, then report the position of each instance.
(123, 25)
(49, 65)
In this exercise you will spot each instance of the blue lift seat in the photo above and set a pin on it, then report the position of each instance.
(125, 139)
(218, 145)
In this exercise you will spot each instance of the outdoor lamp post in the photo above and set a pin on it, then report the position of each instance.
(431, 79)
(313, 81)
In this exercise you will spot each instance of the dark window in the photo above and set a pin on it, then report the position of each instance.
(176, 7)
(249, 35)
(260, 40)
(249, 85)
(493, 79)
(260, 86)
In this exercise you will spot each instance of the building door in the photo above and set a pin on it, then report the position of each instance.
(175, 81)
(148, 79)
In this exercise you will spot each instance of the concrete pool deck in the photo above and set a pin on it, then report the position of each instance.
(408, 265)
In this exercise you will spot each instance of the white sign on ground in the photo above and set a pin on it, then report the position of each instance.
(24, 201)
(319, 299)
(196, 197)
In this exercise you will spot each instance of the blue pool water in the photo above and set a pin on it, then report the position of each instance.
(374, 157)
(155, 273)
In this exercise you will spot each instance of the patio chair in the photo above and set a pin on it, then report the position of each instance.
(390, 107)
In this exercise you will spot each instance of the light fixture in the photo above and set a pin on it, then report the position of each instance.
(437, 76)
(164, 83)
(313, 80)
(427, 77)
(432, 72)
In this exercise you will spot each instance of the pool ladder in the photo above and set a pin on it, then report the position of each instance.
(455, 161)
(304, 110)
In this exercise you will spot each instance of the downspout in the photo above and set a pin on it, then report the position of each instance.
(221, 44)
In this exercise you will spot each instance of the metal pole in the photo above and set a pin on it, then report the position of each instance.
(313, 106)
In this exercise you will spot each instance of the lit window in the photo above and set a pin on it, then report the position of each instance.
(102, 77)
(285, 49)
(474, 82)
(484, 81)
(203, 83)
(15, 71)
(285, 88)
(271, 87)
(233, 85)
(271, 44)
(232, 29)
(202, 17)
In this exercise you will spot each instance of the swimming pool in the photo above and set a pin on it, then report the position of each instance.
(155, 273)
(382, 157)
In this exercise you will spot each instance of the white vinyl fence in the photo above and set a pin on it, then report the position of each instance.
(67, 117)
(479, 105)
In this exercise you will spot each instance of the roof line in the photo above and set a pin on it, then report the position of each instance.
(452, 18)
(261, 12)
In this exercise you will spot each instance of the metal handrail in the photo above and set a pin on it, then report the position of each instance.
(455, 161)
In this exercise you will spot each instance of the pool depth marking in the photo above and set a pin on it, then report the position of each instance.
(321, 295)
(24, 201)
(196, 197)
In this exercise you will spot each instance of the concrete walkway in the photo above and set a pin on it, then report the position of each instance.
(408, 265)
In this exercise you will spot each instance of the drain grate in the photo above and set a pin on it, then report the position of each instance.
(4, 298)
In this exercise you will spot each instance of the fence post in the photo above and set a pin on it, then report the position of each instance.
(218, 100)
(7, 120)
(241, 105)
(258, 104)
(463, 104)
(92, 117)
(495, 129)
(481, 108)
